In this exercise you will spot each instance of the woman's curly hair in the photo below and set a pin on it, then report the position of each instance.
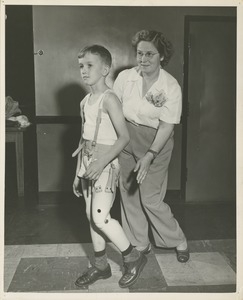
(164, 46)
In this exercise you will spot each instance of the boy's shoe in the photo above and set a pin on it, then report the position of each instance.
(132, 271)
(92, 275)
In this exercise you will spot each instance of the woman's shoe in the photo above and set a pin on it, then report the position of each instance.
(92, 275)
(183, 255)
(146, 250)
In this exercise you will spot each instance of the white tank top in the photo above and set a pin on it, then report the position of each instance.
(107, 134)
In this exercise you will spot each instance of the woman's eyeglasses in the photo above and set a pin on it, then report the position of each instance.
(148, 55)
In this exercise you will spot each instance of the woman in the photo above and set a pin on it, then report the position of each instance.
(152, 103)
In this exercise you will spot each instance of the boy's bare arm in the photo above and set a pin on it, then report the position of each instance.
(113, 107)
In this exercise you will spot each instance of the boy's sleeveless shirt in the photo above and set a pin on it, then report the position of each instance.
(107, 134)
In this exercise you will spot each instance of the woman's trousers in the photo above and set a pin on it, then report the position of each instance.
(142, 205)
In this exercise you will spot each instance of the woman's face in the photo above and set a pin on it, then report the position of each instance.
(148, 57)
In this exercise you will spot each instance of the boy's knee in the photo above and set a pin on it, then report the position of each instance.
(101, 222)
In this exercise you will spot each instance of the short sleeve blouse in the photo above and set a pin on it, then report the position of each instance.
(162, 102)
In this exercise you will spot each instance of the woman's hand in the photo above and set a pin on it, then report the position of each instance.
(142, 166)
(94, 170)
(163, 133)
(76, 187)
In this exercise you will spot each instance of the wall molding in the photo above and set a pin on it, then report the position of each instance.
(57, 120)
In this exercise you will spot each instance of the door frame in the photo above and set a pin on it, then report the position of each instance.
(185, 103)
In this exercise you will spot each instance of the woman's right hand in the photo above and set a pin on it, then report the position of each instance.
(76, 187)
(142, 167)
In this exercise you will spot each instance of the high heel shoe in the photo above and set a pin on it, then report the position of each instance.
(183, 255)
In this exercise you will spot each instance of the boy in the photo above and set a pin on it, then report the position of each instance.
(103, 138)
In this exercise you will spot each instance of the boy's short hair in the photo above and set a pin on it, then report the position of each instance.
(98, 50)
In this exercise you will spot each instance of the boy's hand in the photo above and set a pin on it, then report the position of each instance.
(76, 187)
(94, 170)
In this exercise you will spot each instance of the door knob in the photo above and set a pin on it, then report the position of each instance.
(39, 52)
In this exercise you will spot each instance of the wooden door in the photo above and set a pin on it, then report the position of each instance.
(210, 89)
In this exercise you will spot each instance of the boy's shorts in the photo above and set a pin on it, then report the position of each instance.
(111, 171)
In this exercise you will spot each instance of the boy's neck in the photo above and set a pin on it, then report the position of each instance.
(98, 88)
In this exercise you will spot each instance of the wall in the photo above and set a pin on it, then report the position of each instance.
(60, 32)
(20, 85)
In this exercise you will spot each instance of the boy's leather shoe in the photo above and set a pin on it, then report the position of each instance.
(92, 275)
(132, 271)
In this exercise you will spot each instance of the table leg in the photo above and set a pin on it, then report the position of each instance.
(19, 145)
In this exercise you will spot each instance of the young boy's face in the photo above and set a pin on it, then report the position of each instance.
(92, 68)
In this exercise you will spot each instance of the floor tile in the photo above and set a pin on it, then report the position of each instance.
(10, 266)
(71, 250)
(47, 274)
(151, 279)
(227, 288)
(213, 268)
(15, 251)
(48, 250)
(109, 285)
(183, 289)
(57, 266)
(178, 274)
(231, 259)
(202, 269)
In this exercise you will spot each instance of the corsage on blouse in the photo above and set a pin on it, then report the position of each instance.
(157, 99)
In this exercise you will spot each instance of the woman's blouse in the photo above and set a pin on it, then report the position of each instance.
(163, 101)
(106, 134)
